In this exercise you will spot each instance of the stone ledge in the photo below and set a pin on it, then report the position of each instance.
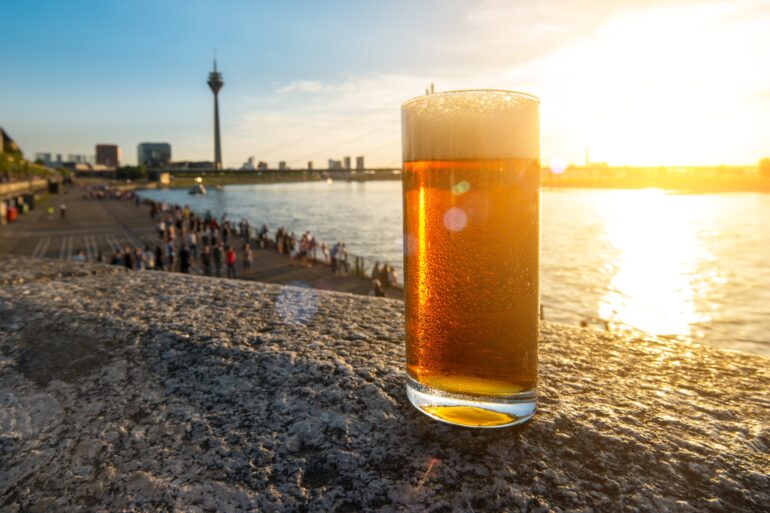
(124, 391)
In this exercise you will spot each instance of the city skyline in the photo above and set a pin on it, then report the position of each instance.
(679, 83)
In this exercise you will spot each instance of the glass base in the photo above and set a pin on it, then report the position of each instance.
(472, 411)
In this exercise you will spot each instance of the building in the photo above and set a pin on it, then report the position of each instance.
(262, 166)
(153, 154)
(360, 163)
(347, 163)
(108, 155)
(79, 158)
(48, 159)
(248, 165)
(335, 164)
(309, 165)
(282, 165)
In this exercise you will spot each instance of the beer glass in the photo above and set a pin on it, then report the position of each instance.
(471, 185)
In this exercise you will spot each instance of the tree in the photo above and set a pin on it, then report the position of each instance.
(131, 172)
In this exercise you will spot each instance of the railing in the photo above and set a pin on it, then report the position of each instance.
(356, 265)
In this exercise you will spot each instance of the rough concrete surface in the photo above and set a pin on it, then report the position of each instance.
(125, 391)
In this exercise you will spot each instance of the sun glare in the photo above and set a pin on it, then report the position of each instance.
(658, 86)
(655, 283)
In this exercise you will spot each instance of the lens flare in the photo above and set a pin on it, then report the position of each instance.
(461, 188)
(296, 303)
(455, 219)
(558, 166)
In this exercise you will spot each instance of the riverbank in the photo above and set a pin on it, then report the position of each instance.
(187, 179)
(687, 183)
(132, 392)
(102, 227)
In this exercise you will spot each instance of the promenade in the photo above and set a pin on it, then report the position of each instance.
(93, 226)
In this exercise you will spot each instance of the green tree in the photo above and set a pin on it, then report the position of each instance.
(132, 172)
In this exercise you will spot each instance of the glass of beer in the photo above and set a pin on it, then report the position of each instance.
(471, 185)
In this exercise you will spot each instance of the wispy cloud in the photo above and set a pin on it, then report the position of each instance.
(302, 86)
(643, 82)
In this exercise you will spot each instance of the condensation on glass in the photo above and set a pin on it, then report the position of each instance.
(471, 187)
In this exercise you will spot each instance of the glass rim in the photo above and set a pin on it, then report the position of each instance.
(461, 91)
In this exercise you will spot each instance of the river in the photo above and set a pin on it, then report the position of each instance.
(648, 261)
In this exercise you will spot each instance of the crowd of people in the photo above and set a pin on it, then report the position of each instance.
(187, 240)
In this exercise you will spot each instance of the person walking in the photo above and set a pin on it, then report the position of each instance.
(342, 255)
(392, 276)
(335, 250)
(128, 258)
(158, 258)
(139, 261)
(219, 256)
(192, 241)
(248, 257)
(170, 255)
(226, 232)
(184, 259)
(206, 260)
(230, 262)
(383, 277)
(161, 228)
(149, 259)
(376, 271)
(377, 289)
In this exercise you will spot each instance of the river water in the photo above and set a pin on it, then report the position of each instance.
(649, 261)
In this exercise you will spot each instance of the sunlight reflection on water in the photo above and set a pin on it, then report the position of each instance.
(656, 279)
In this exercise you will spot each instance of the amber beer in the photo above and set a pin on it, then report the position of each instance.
(471, 186)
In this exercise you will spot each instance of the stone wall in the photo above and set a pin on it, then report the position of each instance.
(125, 391)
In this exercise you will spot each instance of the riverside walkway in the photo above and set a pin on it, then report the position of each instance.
(104, 226)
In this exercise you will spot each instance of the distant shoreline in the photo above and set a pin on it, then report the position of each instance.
(209, 179)
(685, 185)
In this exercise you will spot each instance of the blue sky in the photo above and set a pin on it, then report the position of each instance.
(645, 82)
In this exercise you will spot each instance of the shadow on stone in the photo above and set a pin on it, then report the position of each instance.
(50, 354)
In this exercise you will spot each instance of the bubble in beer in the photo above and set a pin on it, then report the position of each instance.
(455, 219)
(558, 166)
(461, 188)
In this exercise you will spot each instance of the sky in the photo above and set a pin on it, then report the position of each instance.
(634, 82)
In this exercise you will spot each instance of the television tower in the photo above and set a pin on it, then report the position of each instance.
(216, 83)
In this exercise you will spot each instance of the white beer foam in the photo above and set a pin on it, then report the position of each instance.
(475, 124)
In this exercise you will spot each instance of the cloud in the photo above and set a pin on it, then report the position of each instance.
(644, 82)
(357, 115)
(302, 86)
